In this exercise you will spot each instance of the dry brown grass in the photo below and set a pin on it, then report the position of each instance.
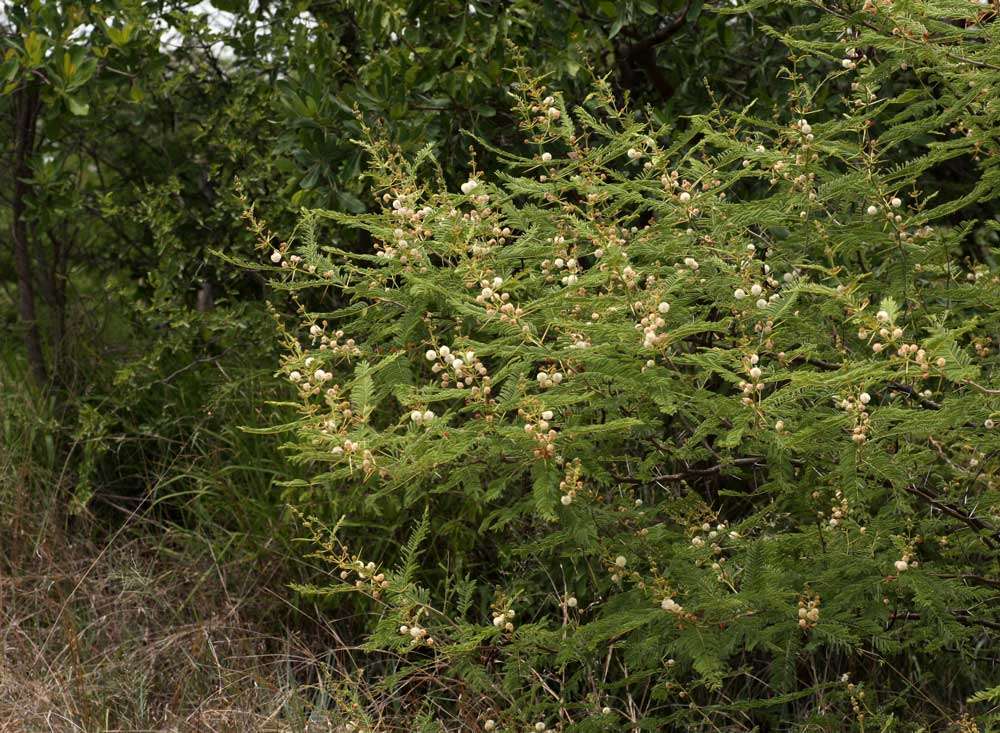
(142, 631)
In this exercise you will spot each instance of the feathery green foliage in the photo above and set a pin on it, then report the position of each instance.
(702, 419)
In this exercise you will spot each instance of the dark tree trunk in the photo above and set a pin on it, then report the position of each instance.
(26, 108)
(640, 55)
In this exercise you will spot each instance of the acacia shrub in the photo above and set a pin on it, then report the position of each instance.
(701, 424)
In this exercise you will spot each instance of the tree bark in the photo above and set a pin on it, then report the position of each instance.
(641, 55)
(26, 108)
